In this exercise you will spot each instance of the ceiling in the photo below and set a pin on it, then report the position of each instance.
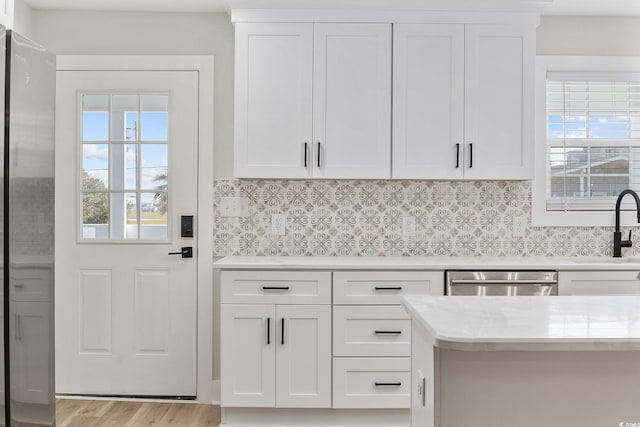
(557, 7)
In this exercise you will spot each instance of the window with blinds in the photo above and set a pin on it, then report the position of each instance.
(593, 139)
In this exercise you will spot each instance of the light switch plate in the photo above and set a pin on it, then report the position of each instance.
(409, 226)
(519, 226)
(234, 206)
(278, 222)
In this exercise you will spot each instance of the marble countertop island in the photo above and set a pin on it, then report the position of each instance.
(524, 361)
(529, 323)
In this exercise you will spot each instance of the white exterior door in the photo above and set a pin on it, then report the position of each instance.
(303, 362)
(248, 354)
(499, 101)
(352, 101)
(273, 100)
(126, 171)
(428, 101)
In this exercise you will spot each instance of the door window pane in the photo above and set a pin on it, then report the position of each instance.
(123, 193)
(155, 118)
(153, 215)
(95, 118)
(124, 117)
(154, 164)
(95, 166)
(95, 215)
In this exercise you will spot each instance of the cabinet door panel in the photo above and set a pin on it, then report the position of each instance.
(248, 355)
(428, 100)
(304, 356)
(599, 283)
(273, 100)
(352, 100)
(499, 62)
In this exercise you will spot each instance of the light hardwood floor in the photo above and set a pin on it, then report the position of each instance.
(98, 413)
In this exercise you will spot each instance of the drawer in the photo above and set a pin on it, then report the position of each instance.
(384, 287)
(31, 284)
(371, 382)
(371, 331)
(275, 287)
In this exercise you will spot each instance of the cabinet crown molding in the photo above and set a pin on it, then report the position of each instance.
(388, 11)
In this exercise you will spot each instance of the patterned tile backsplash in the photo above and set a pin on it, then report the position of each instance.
(331, 218)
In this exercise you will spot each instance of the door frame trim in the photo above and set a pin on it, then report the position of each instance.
(208, 390)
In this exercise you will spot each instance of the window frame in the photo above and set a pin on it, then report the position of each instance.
(544, 64)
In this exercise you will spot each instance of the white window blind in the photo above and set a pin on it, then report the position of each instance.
(593, 139)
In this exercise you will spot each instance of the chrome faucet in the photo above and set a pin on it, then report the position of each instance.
(618, 243)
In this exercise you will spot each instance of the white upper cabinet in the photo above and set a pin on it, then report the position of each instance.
(499, 95)
(428, 101)
(352, 100)
(313, 100)
(273, 100)
(463, 101)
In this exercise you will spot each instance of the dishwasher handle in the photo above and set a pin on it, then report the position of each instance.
(501, 282)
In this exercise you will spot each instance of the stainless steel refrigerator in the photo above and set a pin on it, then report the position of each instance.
(27, 232)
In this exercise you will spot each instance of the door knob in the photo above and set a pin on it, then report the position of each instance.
(186, 252)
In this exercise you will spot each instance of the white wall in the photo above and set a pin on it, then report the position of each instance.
(64, 32)
(607, 36)
(23, 18)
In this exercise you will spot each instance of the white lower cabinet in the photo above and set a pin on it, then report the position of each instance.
(371, 382)
(279, 354)
(599, 283)
(372, 336)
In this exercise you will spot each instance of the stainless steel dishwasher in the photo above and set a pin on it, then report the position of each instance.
(501, 283)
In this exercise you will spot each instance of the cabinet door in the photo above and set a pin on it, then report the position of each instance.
(247, 355)
(499, 63)
(31, 352)
(428, 101)
(352, 100)
(304, 356)
(273, 100)
(599, 283)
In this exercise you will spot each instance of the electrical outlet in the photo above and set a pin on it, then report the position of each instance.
(409, 226)
(422, 388)
(278, 224)
(234, 206)
(519, 226)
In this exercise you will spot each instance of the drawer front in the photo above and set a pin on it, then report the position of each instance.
(384, 287)
(31, 284)
(371, 382)
(275, 287)
(371, 331)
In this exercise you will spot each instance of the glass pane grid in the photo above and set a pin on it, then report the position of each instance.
(124, 190)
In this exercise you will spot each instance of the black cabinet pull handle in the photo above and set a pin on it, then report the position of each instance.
(282, 334)
(389, 332)
(457, 156)
(388, 288)
(381, 384)
(268, 330)
(470, 155)
(275, 288)
(305, 154)
(318, 154)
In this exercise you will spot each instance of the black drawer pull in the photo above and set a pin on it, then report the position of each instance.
(389, 332)
(275, 288)
(388, 288)
(379, 384)
(268, 330)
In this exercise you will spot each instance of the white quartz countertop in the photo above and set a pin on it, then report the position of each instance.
(529, 323)
(424, 263)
